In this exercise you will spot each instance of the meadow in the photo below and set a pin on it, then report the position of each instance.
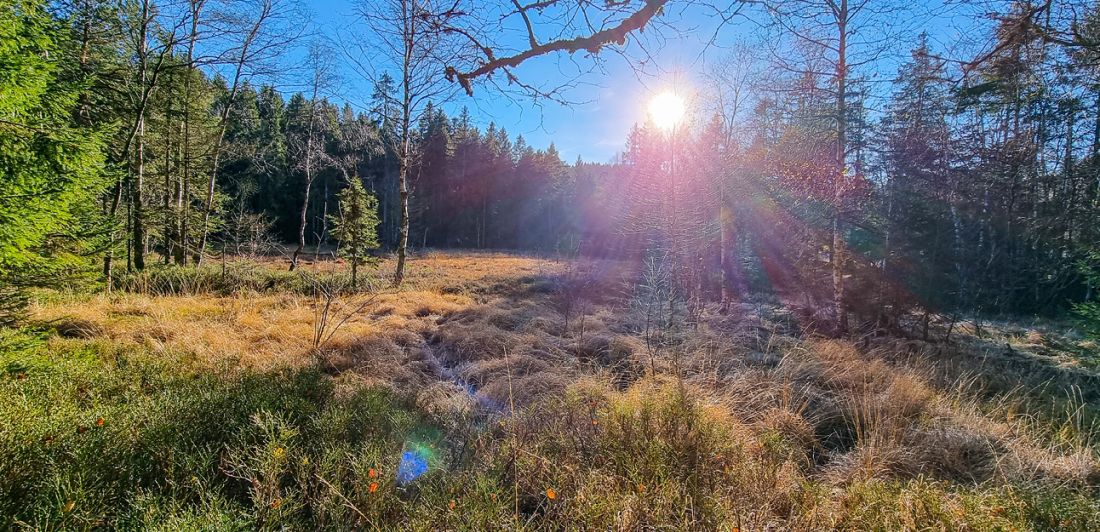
(509, 392)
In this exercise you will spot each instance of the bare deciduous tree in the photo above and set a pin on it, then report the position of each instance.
(409, 36)
(262, 32)
(309, 145)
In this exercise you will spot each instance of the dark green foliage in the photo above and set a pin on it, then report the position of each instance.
(1088, 311)
(1089, 315)
(916, 213)
(357, 227)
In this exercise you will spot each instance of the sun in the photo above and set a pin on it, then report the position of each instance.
(666, 110)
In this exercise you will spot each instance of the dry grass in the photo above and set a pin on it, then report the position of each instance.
(470, 334)
(443, 272)
(863, 418)
(264, 331)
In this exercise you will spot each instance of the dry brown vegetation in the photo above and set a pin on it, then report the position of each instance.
(265, 330)
(564, 345)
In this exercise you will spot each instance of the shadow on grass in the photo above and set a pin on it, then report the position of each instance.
(93, 439)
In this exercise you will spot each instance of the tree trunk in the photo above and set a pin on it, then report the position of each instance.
(138, 201)
(183, 191)
(838, 277)
(841, 170)
(1096, 125)
(183, 202)
(725, 260)
(168, 191)
(409, 34)
(324, 227)
(139, 183)
(309, 176)
(403, 234)
(354, 271)
(224, 119)
(108, 257)
(302, 217)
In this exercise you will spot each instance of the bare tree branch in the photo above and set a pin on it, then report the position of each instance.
(591, 43)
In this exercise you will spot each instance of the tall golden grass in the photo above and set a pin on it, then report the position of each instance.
(476, 335)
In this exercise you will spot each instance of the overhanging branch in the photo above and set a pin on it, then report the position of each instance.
(590, 43)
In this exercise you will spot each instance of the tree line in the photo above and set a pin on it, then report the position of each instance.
(966, 187)
(141, 129)
(466, 182)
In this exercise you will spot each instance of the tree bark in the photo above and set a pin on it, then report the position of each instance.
(139, 182)
(409, 34)
(138, 202)
(224, 120)
(169, 237)
(108, 257)
(403, 234)
(305, 200)
(1096, 126)
(841, 169)
(302, 215)
(183, 195)
(308, 168)
(324, 230)
(725, 260)
(183, 202)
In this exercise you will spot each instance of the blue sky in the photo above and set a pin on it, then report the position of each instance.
(615, 99)
(594, 129)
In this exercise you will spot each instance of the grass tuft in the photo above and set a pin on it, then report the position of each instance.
(199, 402)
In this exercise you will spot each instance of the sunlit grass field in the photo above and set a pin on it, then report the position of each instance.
(506, 392)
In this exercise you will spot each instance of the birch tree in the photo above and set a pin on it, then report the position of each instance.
(263, 31)
(308, 146)
(410, 37)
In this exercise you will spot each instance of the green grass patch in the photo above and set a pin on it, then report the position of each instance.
(92, 439)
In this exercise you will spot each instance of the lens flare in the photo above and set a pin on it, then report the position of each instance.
(414, 463)
(666, 110)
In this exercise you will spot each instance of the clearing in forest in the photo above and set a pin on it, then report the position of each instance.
(496, 391)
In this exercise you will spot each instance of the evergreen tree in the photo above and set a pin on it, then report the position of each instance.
(919, 242)
(51, 167)
(357, 226)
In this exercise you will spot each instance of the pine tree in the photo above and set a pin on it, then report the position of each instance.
(918, 247)
(51, 168)
(357, 227)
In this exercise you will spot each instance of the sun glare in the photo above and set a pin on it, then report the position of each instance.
(666, 110)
